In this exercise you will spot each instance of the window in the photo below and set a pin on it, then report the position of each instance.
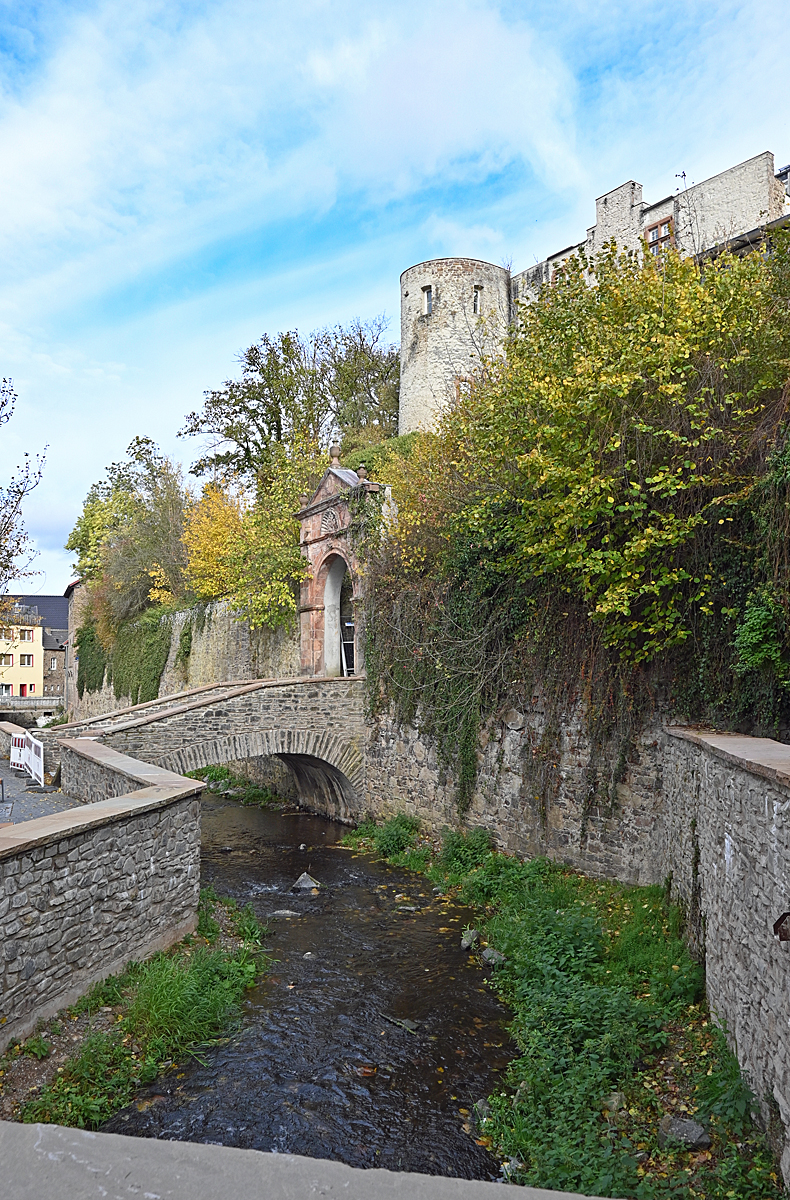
(427, 301)
(32, 688)
(659, 236)
(6, 689)
(477, 303)
(53, 664)
(26, 635)
(7, 634)
(26, 660)
(6, 660)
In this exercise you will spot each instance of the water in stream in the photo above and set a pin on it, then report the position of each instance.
(320, 1066)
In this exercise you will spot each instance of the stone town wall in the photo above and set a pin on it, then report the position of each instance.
(223, 648)
(558, 806)
(85, 890)
(724, 837)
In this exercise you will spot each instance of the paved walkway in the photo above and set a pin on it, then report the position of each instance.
(71, 1164)
(22, 805)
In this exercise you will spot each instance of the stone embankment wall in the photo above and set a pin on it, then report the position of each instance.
(538, 795)
(83, 891)
(723, 836)
(222, 647)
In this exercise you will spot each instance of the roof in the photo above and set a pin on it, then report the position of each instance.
(54, 639)
(53, 610)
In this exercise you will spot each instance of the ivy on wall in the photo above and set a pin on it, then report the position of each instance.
(92, 660)
(136, 662)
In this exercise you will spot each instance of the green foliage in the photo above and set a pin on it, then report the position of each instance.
(760, 635)
(37, 1047)
(207, 926)
(626, 414)
(184, 644)
(248, 793)
(463, 850)
(171, 1005)
(395, 835)
(92, 660)
(140, 654)
(129, 537)
(94, 1084)
(722, 1092)
(376, 457)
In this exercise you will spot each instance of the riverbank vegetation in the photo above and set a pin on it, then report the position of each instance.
(133, 1026)
(611, 1021)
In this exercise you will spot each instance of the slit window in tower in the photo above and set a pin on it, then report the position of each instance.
(427, 301)
(477, 303)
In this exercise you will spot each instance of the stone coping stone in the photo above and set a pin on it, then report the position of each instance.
(168, 708)
(43, 831)
(760, 756)
(73, 1164)
(149, 774)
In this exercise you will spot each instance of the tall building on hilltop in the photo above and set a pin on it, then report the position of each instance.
(454, 309)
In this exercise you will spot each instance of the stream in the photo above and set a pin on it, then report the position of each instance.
(321, 1065)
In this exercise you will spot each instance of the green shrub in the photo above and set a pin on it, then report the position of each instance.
(395, 835)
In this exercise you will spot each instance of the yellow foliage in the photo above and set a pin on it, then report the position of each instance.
(214, 538)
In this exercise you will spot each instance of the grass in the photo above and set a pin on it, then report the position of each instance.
(608, 1005)
(244, 791)
(168, 1008)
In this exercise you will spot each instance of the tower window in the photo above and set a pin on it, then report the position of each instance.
(659, 236)
(477, 304)
(427, 301)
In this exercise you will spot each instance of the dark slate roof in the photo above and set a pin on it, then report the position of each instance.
(54, 639)
(53, 610)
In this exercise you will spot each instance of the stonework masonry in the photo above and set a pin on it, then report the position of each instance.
(223, 647)
(85, 890)
(472, 303)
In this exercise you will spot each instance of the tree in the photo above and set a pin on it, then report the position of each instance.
(16, 552)
(281, 394)
(129, 536)
(363, 372)
(337, 382)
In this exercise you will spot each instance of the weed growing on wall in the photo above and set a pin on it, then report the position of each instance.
(165, 1010)
(612, 1027)
(222, 780)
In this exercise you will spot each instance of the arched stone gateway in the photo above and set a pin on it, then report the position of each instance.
(329, 609)
(327, 769)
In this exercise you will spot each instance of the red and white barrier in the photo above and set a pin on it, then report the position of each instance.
(28, 755)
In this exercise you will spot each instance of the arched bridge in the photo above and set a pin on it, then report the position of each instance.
(314, 725)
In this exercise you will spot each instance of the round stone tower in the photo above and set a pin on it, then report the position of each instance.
(451, 311)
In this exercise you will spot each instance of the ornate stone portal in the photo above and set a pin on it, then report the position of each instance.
(329, 632)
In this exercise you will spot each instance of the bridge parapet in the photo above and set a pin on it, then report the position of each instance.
(316, 726)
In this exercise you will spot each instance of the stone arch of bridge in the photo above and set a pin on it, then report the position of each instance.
(326, 768)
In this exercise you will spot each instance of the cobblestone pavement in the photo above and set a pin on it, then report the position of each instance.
(25, 805)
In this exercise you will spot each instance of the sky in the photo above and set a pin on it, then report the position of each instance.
(179, 178)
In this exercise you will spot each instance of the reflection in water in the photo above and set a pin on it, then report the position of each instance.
(372, 1029)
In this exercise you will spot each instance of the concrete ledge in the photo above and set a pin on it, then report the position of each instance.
(761, 756)
(72, 1164)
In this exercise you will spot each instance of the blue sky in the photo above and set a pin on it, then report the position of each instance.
(179, 178)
